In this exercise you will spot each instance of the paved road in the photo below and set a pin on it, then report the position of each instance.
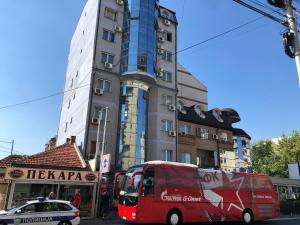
(280, 221)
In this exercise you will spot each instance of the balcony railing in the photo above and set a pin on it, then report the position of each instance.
(186, 139)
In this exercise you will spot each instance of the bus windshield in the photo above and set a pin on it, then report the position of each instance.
(128, 187)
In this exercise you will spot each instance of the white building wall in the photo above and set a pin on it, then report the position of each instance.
(78, 77)
(190, 90)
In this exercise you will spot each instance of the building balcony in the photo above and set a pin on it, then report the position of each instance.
(226, 145)
(186, 139)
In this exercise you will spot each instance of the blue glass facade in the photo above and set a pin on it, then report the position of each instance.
(139, 37)
(133, 124)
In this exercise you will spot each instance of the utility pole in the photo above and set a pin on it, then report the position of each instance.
(100, 163)
(98, 133)
(293, 29)
(290, 38)
(12, 147)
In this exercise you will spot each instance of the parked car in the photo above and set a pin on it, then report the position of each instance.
(42, 212)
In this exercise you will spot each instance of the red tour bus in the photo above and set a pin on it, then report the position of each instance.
(174, 193)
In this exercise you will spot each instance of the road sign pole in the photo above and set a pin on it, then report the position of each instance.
(100, 165)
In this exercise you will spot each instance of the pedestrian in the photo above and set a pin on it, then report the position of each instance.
(77, 199)
(52, 195)
(104, 204)
(105, 197)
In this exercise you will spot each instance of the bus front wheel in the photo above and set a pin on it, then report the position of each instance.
(174, 217)
(247, 217)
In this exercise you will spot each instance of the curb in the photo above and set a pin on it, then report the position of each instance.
(285, 218)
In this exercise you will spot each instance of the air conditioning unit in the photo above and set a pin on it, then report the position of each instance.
(98, 91)
(160, 74)
(160, 30)
(172, 133)
(160, 49)
(161, 70)
(108, 65)
(161, 39)
(167, 22)
(171, 107)
(94, 120)
(120, 2)
(118, 29)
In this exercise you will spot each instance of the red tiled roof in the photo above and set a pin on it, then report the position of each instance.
(65, 155)
(7, 161)
(2, 181)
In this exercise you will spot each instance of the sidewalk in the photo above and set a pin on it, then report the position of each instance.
(113, 218)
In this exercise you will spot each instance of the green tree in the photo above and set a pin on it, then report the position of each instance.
(261, 153)
(273, 159)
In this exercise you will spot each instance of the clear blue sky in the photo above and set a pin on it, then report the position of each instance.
(246, 70)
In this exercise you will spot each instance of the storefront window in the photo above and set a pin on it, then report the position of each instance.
(24, 192)
(3, 189)
(67, 192)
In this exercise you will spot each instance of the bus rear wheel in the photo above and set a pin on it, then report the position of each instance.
(247, 217)
(174, 217)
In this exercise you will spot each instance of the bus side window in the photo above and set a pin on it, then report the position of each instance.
(148, 183)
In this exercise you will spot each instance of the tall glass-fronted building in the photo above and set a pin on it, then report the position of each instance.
(138, 64)
(139, 37)
(122, 53)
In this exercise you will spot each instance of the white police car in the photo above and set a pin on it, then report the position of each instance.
(42, 212)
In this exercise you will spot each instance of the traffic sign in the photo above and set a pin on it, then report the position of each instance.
(105, 163)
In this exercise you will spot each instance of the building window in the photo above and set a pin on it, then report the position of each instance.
(107, 58)
(202, 133)
(69, 103)
(100, 111)
(167, 76)
(71, 120)
(166, 100)
(77, 73)
(180, 106)
(142, 63)
(224, 136)
(104, 85)
(74, 95)
(166, 155)
(66, 127)
(108, 36)
(167, 125)
(167, 36)
(71, 85)
(165, 14)
(93, 147)
(185, 130)
(186, 158)
(110, 14)
(167, 56)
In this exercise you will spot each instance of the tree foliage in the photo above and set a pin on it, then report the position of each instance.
(272, 158)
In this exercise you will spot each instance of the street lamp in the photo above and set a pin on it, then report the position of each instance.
(101, 154)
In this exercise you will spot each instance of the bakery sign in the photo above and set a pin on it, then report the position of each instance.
(23, 174)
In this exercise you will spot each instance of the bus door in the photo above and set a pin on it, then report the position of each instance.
(146, 208)
(264, 197)
(117, 187)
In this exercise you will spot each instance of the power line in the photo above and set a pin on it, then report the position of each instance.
(41, 98)
(219, 35)
(1, 146)
(7, 142)
(182, 50)
(282, 22)
(266, 7)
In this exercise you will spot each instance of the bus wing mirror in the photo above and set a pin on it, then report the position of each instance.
(133, 176)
